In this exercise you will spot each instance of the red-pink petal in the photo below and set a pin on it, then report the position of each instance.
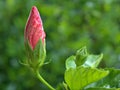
(34, 28)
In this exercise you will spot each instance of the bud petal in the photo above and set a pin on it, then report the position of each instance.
(34, 29)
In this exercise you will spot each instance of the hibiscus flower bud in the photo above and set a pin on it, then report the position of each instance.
(34, 36)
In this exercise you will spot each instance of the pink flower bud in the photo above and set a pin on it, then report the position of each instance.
(34, 29)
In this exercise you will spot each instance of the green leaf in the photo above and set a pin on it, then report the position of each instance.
(102, 89)
(112, 80)
(93, 60)
(81, 55)
(85, 59)
(70, 63)
(78, 78)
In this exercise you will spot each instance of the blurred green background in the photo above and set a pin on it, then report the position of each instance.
(69, 25)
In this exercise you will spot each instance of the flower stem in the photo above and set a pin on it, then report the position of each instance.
(43, 81)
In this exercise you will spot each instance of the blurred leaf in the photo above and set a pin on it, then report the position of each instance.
(102, 89)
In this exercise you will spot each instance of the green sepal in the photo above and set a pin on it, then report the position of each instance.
(29, 52)
(36, 57)
(40, 53)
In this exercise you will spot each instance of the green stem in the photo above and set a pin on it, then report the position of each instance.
(43, 81)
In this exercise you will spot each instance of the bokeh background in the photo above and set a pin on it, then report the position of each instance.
(69, 25)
